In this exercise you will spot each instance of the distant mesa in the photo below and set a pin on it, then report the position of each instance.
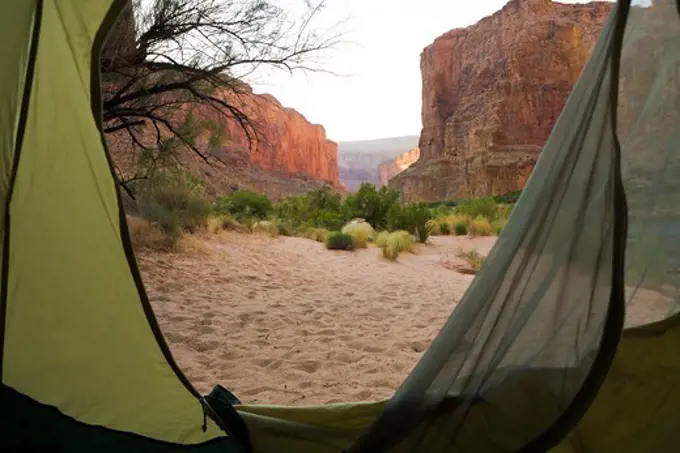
(359, 161)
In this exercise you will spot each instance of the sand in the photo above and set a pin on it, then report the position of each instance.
(285, 321)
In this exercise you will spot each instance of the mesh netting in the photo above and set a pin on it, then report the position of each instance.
(526, 350)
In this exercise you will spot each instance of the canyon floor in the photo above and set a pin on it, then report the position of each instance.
(285, 321)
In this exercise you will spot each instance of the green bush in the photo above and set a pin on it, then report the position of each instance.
(414, 218)
(503, 211)
(361, 232)
(284, 228)
(392, 244)
(510, 198)
(320, 208)
(444, 228)
(460, 228)
(244, 204)
(371, 204)
(173, 202)
(337, 240)
(484, 207)
(498, 225)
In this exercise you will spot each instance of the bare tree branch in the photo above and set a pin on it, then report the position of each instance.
(167, 57)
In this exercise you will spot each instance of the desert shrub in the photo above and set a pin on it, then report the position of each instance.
(503, 211)
(480, 227)
(460, 228)
(392, 244)
(244, 204)
(174, 202)
(444, 228)
(371, 204)
(498, 225)
(217, 223)
(265, 227)
(441, 211)
(284, 228)
(434, 226)
(414, 218)
(476, 207)
(313, 233)
(509, 198)
(472, 257)
(337, 240)
(146, 235)
(320, 208)
(361, 232)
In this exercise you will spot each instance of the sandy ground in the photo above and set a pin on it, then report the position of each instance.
(285, 321)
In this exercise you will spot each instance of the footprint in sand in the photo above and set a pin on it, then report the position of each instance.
(418, 346)
(308, 366)
(364, 395)
(325, 332)
(256, 391)
(205, 330)
(361, 346)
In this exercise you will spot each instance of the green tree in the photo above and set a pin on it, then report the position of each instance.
(371, 204)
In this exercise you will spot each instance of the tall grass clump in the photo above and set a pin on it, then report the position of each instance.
(444, 228)
(460, 228)
(313, 233)
(361, 232)
(480, 226)
(337, 240)
(265, 227)
(392, 244)
(472, 257)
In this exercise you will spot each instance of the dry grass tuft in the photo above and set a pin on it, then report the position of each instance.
(392, 244)
(480, 226)
(361, 232)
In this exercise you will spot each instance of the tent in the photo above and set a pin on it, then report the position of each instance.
(534, 358)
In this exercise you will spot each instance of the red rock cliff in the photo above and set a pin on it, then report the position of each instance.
(283, 139)
(492, 93)
(285, 153)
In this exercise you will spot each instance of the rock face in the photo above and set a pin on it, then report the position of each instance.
(281, 154)
(280, 139)
(391, 168)
(492, 93)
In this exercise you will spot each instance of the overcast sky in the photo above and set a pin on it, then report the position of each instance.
(380, 93)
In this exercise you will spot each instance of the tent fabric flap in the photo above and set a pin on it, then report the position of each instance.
(77, 335)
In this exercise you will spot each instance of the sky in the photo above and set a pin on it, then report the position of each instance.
(377, 90)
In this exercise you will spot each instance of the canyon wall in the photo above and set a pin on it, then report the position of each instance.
(492, 93)
(391, 168)
(278, 138)
(275, 151)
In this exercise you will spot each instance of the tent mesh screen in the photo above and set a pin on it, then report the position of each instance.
(526, 349)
